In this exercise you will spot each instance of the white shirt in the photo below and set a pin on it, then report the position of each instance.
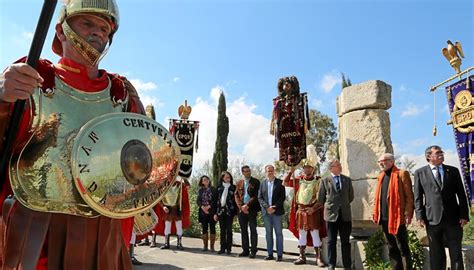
(441, 171)
(270, 191)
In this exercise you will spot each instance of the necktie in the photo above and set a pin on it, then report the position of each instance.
(438, 176)
(338, 183)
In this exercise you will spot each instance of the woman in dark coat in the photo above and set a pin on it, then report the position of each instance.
(207, 202)
(226, 210)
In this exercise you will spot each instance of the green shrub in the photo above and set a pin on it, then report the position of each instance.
(468, 237)
(416, 250)
(373, 251)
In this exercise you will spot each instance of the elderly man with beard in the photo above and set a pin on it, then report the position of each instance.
(393, 210)
(75, 90)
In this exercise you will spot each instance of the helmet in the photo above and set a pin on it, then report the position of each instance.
(312, 158)
(106, 9)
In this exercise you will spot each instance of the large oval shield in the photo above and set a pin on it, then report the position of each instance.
(123, 163)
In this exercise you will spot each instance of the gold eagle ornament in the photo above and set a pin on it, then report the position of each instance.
(453, 54)
(184, 110)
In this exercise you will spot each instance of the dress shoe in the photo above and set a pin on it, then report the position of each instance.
(269, 258)
(243, 254)
(279, 258)
(228, 252)
(222, 251)
(252, 255)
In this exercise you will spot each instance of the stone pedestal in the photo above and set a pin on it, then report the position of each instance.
(364, 135)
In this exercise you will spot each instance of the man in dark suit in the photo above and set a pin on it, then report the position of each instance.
(441, 205)
(271, 197)
(246, 198)
(336, 193)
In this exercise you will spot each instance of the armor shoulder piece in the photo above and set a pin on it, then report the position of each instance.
(127, 91)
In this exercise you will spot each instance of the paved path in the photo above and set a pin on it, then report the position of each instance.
(193, 258)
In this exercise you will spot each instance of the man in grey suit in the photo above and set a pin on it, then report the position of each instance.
(271, 196)
(336, 193)
(441, 205)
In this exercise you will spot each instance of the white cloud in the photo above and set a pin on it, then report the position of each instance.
(413, 110)
(143, 86)
(27, 35)
(150, 100)
(329, 80)
(145, 90)
(248, 138)
(176, 79)
(402, 88)
(418, 142)
(216, 93)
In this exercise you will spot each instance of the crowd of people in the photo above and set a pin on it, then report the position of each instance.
(321, 207)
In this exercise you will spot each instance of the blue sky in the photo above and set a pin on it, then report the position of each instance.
(176, 50)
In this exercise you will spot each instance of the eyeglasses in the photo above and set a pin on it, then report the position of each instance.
(438, 153)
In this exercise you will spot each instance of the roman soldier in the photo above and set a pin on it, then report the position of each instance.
(306, 215)
(59, 233)
(173, 213)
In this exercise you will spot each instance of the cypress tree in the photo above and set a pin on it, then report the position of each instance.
(343, 81)
(219, 159)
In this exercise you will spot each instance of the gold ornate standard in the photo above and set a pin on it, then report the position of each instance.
(462, 115)
(184, 110)
(453, 54)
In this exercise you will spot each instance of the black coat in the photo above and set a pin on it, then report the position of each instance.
(230, 207)
(278, 197)
(201, 215)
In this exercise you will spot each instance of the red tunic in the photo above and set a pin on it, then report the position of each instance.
(101, 246)
(292, 226)
(185, 214)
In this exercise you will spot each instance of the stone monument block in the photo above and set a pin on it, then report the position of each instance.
(364, 136)
(367, 95)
